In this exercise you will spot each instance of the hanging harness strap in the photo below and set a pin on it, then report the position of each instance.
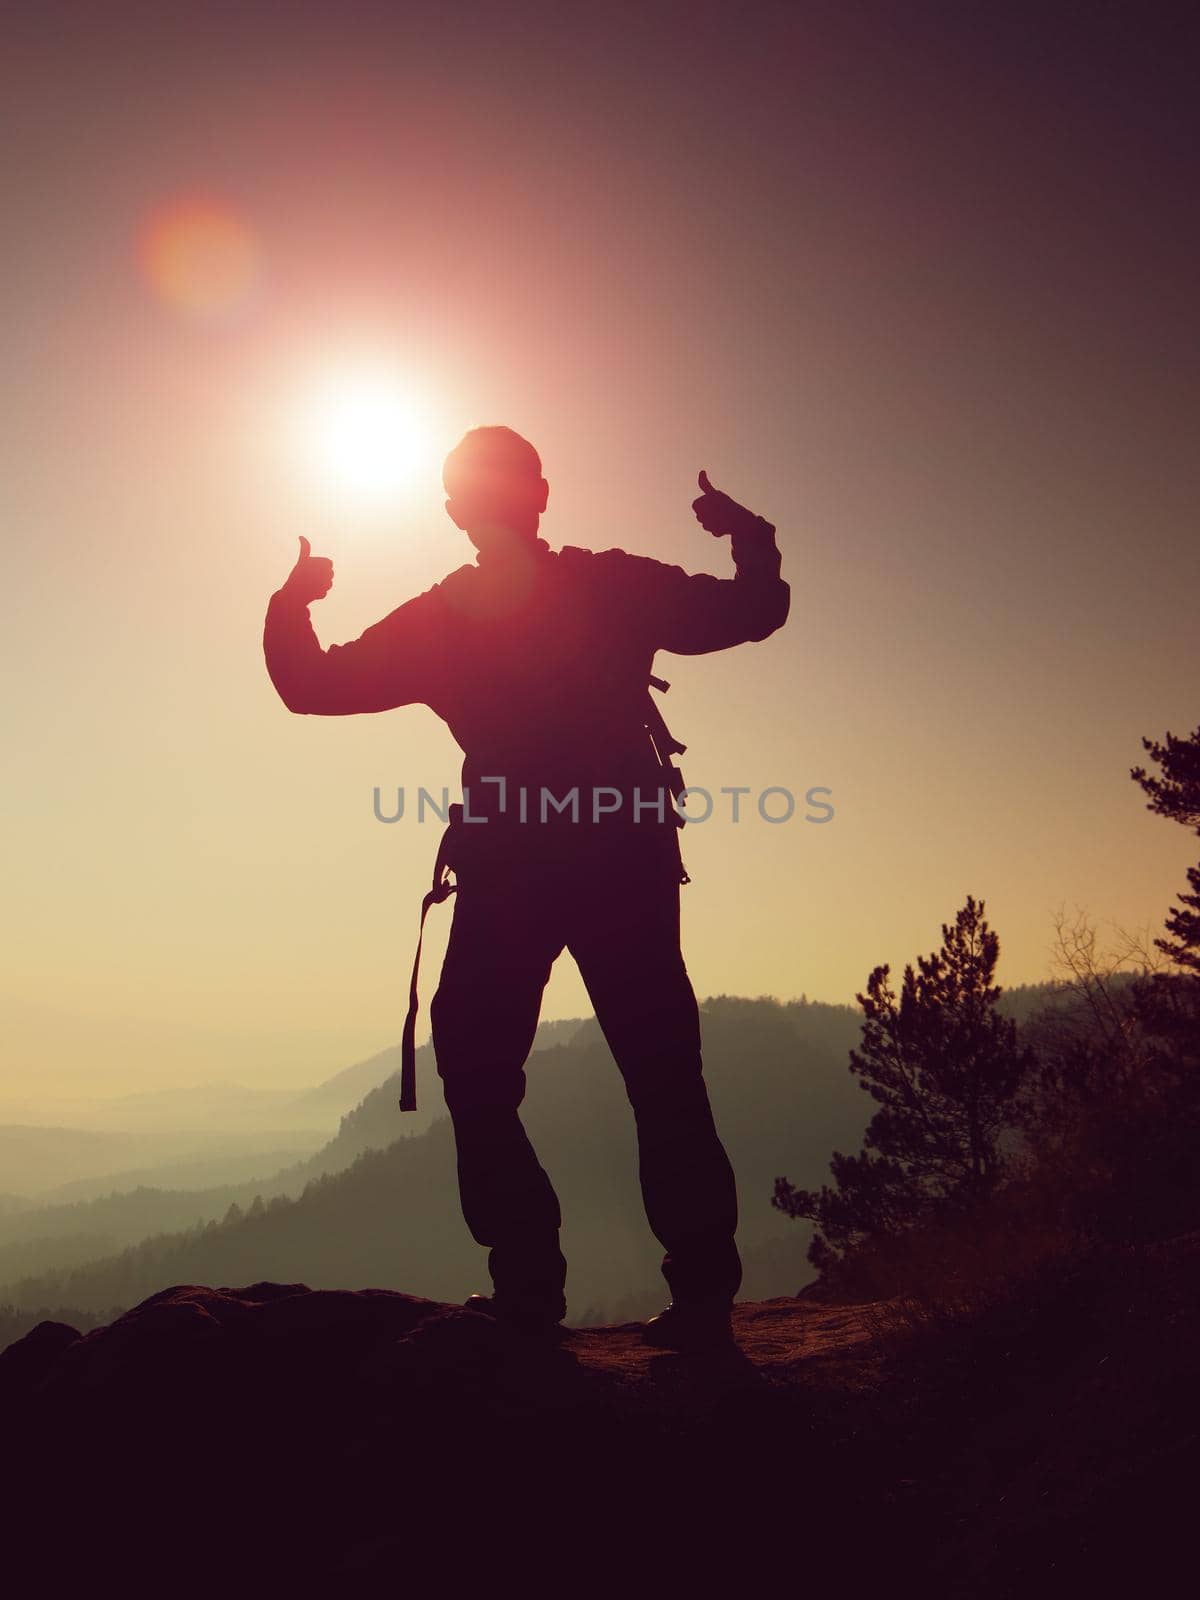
(441, 889)
(667, 745)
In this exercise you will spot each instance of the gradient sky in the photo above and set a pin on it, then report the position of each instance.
(916, 281)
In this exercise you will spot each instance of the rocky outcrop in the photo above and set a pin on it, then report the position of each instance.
(273, 1438)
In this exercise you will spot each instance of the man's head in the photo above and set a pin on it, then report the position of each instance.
(496, 491)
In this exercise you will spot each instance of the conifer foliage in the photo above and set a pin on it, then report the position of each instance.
(945, 1067)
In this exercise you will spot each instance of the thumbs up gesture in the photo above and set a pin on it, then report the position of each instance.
(312, 576)
(720, 513)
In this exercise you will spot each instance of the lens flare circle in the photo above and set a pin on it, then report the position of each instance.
(199, 257)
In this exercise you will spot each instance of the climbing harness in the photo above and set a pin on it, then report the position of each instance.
(665, 746)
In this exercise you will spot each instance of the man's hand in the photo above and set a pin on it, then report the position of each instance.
(721, 514)
(312, 576)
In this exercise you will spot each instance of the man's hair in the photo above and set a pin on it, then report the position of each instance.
(493, 444)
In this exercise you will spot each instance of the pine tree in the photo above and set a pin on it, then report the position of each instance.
(945, 1067)
(1176, 794)
(1183, 924)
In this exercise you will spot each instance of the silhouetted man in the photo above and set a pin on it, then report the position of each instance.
(539, 661)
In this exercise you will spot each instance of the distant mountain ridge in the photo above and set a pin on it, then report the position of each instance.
(781, 1094)
(784, 1116)
(95, 1217)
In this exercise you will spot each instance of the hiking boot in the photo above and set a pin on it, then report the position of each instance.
(691, 1325)
(535, 1319)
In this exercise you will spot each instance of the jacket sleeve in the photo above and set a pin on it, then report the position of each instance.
(388, 665)
(691, 614)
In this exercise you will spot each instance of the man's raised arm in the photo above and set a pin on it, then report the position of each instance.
(693, 613)
(386, 666)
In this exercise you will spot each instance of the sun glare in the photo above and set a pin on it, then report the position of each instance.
(366, 435)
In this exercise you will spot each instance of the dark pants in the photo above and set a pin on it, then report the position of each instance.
(618, 915)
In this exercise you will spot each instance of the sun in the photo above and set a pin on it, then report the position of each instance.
(366, 433)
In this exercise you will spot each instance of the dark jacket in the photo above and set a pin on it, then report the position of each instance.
(538, 663)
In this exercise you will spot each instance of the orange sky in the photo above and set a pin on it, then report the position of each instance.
(919, 290)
